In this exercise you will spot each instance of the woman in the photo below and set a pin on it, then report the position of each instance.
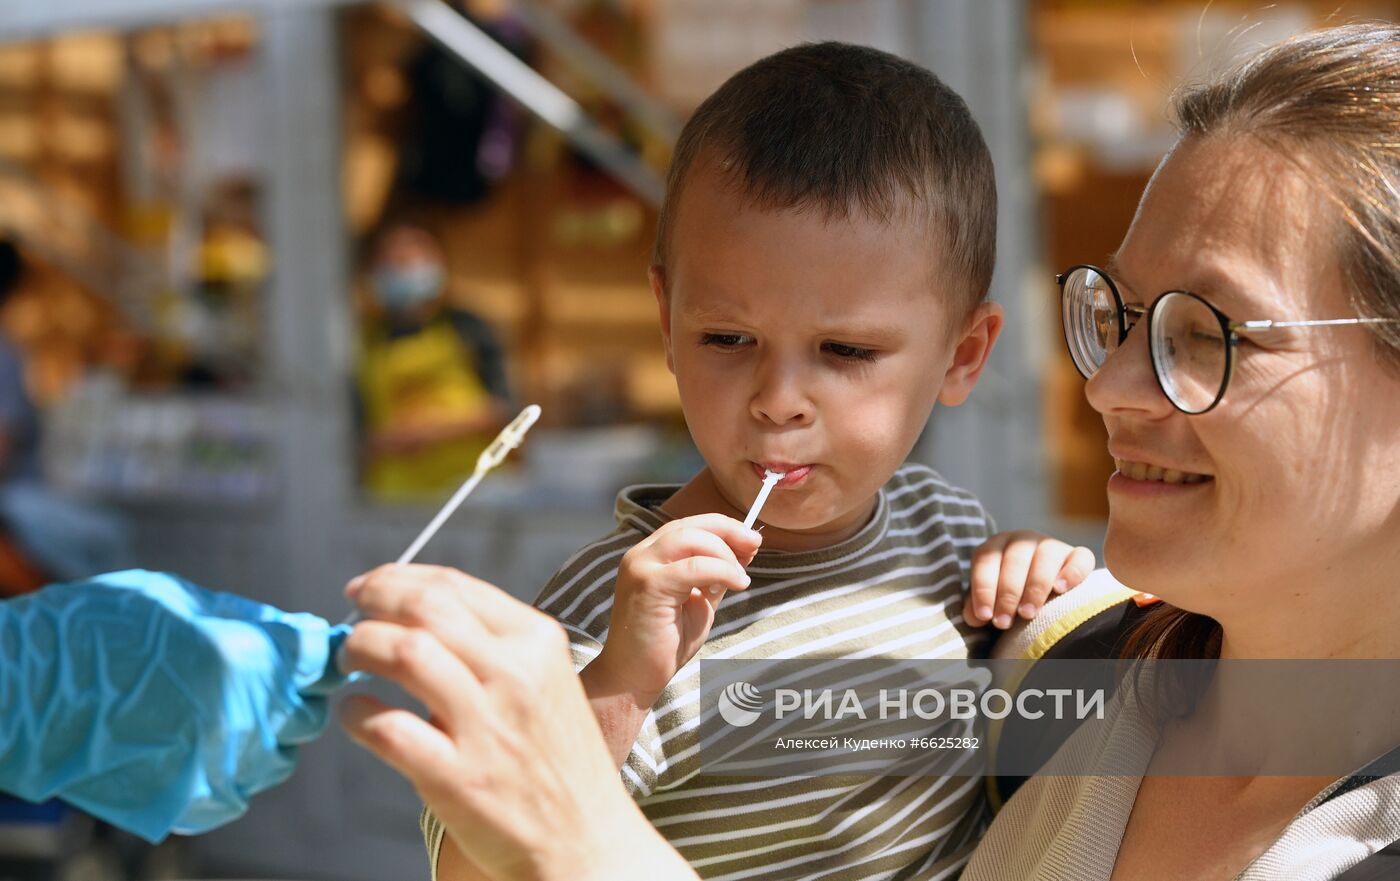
(1258, 494)
(1280, 204)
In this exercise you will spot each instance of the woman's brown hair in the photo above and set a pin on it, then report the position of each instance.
(1331, 99)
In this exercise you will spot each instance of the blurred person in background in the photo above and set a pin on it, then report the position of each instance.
(432, 387)
(53, 537)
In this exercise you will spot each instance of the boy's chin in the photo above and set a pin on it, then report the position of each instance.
(791, 513)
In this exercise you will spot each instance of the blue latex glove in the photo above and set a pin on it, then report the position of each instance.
(154, 704)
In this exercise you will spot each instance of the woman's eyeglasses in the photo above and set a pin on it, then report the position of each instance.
(1191, 343)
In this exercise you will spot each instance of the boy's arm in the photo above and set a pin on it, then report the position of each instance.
(668, 587)
(453, 866)
(620, 713)
(623, 717)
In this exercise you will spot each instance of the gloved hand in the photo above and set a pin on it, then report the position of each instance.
(154, 704)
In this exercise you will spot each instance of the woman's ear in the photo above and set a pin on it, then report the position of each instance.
(970, 353)
(657, 276)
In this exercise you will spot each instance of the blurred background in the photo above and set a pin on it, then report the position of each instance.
(273, 271)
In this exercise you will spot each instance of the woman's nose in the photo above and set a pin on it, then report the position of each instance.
(781, 398)
(1126, 381)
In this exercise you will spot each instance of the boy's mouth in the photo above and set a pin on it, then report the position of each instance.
(792, 474)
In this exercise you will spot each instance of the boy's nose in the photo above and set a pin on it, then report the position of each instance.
(781, 400)
(1126, 383)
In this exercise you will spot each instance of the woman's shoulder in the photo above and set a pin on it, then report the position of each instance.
(1334, 834)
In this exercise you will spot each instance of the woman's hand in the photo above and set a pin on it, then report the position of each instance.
(511, 760)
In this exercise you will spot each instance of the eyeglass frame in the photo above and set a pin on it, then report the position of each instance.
(1232, 332)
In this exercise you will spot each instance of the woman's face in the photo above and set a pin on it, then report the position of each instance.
(1303, 453)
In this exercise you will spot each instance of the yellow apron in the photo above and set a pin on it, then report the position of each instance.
(422, 379)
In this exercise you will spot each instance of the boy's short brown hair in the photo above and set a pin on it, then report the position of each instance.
(839, 128)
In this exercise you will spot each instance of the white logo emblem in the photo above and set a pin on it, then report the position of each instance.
(740, 704)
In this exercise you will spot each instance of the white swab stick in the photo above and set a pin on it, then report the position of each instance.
(509, 438)
(770, 479)
(440, 518)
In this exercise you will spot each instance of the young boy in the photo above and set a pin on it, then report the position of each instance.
(822, 263)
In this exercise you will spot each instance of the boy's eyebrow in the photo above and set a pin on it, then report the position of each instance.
(864, 332)
(704, 312)
(861, 330)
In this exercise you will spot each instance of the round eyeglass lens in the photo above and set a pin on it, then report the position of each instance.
(1091, 317)
(1190, 351)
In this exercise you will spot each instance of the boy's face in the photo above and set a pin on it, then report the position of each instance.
(809, 346)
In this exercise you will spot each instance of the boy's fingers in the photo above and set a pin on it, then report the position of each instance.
(746, 559)
(994, 544)
(676, 579)
(698, 615)
(1077, 568)
(981, 598)
(740, 540)
(694, 542)
(1044, 570)
(1011, 582)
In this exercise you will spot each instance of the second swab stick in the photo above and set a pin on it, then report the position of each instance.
(770, 479)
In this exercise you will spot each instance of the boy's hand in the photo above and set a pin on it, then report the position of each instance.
(668, 587)
(1014, 572)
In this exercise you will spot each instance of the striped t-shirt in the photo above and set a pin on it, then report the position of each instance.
(893, 590)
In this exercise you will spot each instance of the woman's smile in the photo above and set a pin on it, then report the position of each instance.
(1144, 471)
(1148, 487)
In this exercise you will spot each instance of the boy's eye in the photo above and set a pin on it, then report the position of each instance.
(724, 340)
(853, 353)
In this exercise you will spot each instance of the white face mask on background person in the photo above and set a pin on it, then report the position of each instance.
(403, 289)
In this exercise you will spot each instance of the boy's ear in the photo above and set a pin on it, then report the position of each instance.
(657, 276)
(970, 353)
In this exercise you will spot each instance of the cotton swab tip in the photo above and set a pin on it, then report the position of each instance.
(510, 437)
